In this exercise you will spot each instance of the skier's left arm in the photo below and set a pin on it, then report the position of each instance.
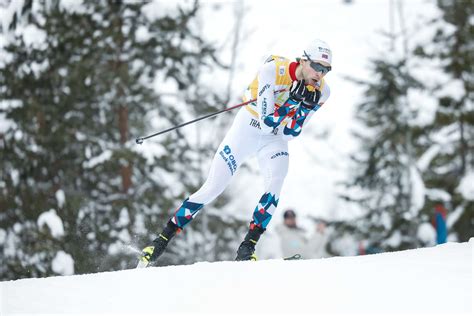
(312, 102)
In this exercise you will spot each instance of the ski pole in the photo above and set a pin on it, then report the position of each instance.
(140, 140)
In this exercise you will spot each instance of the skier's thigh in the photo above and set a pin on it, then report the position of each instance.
(274, 160)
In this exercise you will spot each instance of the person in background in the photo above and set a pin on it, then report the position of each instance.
(292, 237)
(367, 248)
(316, 247)
(439, 223)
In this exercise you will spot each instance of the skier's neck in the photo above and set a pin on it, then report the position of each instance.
(298, 72)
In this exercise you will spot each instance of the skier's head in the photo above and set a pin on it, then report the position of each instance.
(316, 61)
(318, 51)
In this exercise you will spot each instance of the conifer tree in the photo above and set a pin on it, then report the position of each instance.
(449, 145)
(384, 167)
(76, 96)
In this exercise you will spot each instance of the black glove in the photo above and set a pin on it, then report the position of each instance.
(297, 91)
(311, 99)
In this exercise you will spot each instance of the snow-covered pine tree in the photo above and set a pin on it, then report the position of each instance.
(448, 148)
(78, 84)
(384, 175)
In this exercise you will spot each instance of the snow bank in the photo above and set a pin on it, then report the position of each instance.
(429, 281)
(63, 263)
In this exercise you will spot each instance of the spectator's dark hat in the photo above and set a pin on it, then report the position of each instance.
(289, 214)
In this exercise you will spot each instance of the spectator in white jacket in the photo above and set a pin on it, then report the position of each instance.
(316, 247)
(292, 237)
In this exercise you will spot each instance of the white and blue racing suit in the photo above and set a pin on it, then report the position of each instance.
(262, 128)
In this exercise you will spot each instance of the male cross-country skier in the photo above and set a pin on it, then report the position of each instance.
(287, 94)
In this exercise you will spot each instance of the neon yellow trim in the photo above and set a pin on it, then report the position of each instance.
(163, 237)
(146, 254)
(149, 249)
(282, 63)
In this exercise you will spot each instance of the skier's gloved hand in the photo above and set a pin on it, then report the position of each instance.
(297, 91)
(311, 99)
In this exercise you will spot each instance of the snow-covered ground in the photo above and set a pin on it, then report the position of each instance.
(429, 281)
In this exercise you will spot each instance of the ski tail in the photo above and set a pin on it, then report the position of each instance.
(294, 257)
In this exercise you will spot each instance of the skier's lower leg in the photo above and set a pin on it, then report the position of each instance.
(246, 249)
(262, 215)
(183, 215)
(151, 253)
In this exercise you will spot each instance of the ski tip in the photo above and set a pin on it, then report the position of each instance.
(142, 264)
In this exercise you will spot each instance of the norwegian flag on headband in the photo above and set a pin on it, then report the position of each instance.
(325, 56)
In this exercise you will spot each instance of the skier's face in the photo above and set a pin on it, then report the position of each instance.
(314, 74)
